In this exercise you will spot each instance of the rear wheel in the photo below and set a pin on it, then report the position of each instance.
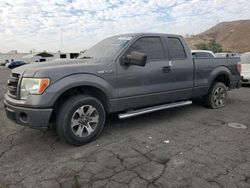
(217, 96)
(80, 120)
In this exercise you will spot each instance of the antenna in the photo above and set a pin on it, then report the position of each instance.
(61, 38)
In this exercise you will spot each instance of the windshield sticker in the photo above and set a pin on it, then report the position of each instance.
(124, 38)
(121, 41)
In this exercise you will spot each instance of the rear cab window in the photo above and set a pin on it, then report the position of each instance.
(175, 48)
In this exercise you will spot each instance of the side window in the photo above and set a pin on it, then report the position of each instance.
(63, 56)
(176, 49)
(209, 55)
(204, 55)
(201, 54)
(149, 45)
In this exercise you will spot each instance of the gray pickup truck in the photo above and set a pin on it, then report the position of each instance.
(129, 74)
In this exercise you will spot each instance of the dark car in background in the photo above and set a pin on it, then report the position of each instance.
(15, 64)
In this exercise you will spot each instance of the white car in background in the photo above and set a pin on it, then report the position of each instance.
(245, 68)
(202, 53)
(225, 54)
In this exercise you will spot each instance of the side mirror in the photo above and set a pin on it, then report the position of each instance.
(135, 58)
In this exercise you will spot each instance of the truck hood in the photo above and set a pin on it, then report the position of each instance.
(31, 69)
(58, 69)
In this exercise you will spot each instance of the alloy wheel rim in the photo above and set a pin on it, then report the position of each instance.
(219, 96)
(84, 121)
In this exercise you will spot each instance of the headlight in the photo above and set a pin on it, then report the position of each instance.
(33, 86)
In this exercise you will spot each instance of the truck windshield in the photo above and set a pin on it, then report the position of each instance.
(106, 48)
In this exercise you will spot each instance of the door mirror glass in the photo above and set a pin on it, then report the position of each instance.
(135, 58)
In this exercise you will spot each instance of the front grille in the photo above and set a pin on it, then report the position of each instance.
(245, 80)
(13, 85)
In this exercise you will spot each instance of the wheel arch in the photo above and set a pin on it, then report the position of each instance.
(83, 89)
(80, 90)
(221, 74)
(81, 84)
(223, 78)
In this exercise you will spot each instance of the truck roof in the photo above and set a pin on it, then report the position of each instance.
(147, 34)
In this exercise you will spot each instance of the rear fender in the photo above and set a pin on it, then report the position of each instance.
(221, 70)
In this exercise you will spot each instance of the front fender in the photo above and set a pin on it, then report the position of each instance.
(54, 91)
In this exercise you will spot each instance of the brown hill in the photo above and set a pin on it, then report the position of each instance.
(233, 36)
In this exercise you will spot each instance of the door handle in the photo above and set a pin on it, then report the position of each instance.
(166, 69)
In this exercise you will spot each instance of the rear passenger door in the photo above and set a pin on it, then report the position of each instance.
(181, 80)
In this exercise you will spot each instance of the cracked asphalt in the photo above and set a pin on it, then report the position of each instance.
(190, 146)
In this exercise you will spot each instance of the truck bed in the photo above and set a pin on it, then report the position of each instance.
(206, 68)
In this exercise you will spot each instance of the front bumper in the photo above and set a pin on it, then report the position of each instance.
(32, 117)
(245, 80)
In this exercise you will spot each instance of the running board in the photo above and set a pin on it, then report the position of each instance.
(153, 109)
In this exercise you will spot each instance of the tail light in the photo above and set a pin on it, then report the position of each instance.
(239, 67)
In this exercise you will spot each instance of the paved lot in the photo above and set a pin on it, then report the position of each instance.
(185, 147)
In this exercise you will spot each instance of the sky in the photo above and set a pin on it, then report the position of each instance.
(38, 24)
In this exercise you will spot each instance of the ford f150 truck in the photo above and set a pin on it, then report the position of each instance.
(129, 74)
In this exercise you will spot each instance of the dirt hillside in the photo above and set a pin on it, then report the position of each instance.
(233, 36)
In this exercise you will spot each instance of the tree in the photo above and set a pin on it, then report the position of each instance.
(215, 47)
(212, 45)
(201, 46)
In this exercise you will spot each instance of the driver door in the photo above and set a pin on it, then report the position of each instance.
(145, 86)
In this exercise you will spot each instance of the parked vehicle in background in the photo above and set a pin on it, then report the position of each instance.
(225, 54)
(203, 53)
(245, 68)
(7, 64)
(129, 74)
(15, 64)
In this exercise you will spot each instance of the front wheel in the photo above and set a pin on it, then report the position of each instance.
(217, 96)
(80, 120)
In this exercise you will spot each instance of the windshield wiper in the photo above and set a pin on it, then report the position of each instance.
(86, 57)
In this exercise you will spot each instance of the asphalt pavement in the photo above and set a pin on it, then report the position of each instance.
(190, 146)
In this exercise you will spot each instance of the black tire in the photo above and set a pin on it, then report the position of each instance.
(217, 96)
(65, 117)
